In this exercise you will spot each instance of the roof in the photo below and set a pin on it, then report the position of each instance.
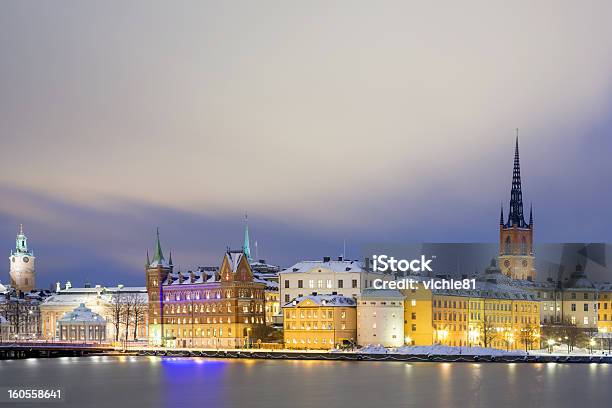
(3, 321)
(75, 296)
(191, 277)
(82, 314)
(371, 293)
(336, 266)
(323, 300)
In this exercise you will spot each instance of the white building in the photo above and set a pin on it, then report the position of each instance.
(326, 277)
(82, 325)
(380, 318)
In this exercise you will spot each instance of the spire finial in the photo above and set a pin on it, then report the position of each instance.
(20, 229)
(246, 246)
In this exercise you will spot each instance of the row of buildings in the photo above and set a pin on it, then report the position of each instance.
(313, 304)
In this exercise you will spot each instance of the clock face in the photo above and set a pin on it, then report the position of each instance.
(26, 259)
(506, 263)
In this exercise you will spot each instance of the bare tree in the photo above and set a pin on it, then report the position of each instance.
(139, 311)
(488, 332)
(115, 311)
(570, 334)
(527, 336)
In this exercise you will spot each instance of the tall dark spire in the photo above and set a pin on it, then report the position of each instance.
(515, 216)
(530, 214)
(501, 215)
(148, 260)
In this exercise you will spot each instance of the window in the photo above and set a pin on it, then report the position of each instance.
(573, 295)
(413, 302)
(287, 300)
(573, 307)
(414, 327)
(286, 284)
(328, 284)
(300, 283)
(311, 283)
(586, 295)
(354, 283)
(586, 307)
(413, 316)
(340, 284)
(586, 320)
(320, 283)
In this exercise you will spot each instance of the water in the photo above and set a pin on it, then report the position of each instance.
(200, 382)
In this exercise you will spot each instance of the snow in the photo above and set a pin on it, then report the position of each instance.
(440, 350)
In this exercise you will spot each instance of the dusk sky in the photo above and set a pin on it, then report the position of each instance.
(324, 120)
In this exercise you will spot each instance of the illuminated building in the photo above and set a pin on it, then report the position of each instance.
(82, 324)
(493, 314)
(205, 309)
(380, 318)
(320, 322)
(22, 265)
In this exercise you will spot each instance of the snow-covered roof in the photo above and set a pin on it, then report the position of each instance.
(75, 296)
(324, 300)
(3, 321)
(333, 265)
(192, 277)
(81, 315)
(3, 289)
(372, 293)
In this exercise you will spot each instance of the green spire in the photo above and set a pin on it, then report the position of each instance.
(21, 242)
(246, 246)
(158, 256)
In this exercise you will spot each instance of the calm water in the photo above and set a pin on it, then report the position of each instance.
(168, 382)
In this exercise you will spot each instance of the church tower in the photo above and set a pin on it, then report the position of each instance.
(22, 269)
(157, 271)
(516, 256)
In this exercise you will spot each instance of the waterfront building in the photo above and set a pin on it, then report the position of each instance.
(116, 304)
(343, 277)
(496, 313)
(4, 329)
(320, 322)
(206, 309)
(516, 254)
(22, 269)
(82, 324)
(604, 308)
(22, 312)
(380, 318)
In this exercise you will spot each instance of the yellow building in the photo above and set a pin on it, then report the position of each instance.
(320, 322)
(272, 307)
(493, 314)
(604, 309)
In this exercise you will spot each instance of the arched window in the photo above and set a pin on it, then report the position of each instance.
(523, 246)
(508, 246)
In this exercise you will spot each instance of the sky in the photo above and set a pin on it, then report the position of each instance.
(326, 121)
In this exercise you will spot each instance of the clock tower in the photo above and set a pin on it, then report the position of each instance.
(516, 255)
(22, 268)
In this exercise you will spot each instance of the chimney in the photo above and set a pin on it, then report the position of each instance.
(314, 293)
(326, 259)
(341, 258)
(191, 277)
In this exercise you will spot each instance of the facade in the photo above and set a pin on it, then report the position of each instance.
(22, 312)
(495, 314)
(112, 303)
(380, 318)
(22, 267)
(604, 308)
(82, 325)
(516, 255)
(341, 277)
(222, 309)
(320, 322)
(4, 329)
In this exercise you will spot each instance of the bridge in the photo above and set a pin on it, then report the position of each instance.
(39, 349)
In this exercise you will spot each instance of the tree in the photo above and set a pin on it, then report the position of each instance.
(570, 334)
(528, 335)
(139, 311)
(488, 332)
(115, 312)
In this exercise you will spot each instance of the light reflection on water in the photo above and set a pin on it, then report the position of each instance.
(107, 381)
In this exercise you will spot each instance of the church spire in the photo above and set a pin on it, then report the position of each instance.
(158, 255)
(530, 214)
(148, 260)
(246, 246)
(170, 259)
(515, 217)
(501, 215)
